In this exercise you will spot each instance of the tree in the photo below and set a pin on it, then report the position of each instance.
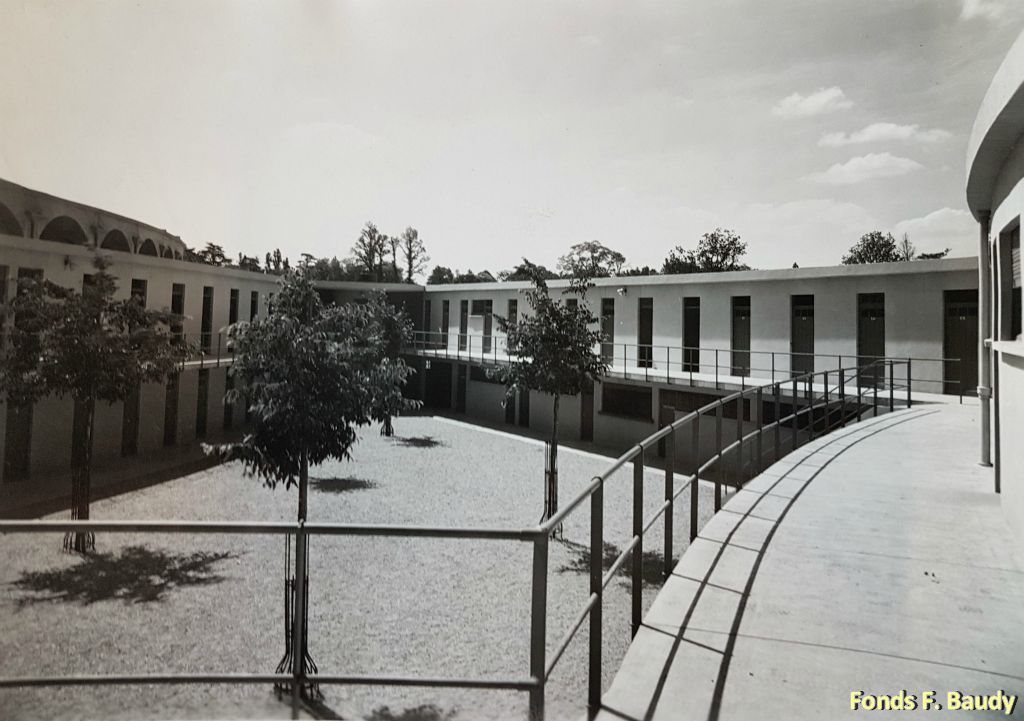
(873, 247)
(369, 250)
(88, 346)
(246, 262)
(645, 270)
(312, 375)
(906, 250)
(552, 351)
(590, 260)
(414, 254)
(213, 254)
(933, 256)
(523, 272)
(718, 251)
(441, 275)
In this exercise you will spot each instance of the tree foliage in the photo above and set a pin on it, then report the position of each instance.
(718, 251)
(590, 259)
(526, 271)
(369, 252)
(441, 275)
(873, 247)
(89, 346)
(414, 254)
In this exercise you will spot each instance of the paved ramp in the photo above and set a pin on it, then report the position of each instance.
(875, 559)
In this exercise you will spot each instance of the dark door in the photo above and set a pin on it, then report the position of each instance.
(439, 385)
(801, 339)
(463, 324)
(460, 388)
(691, 335)
(608, 329)
(445, 317)
(960, 341)
(587, 414)
(171, 411)
(741, 335)
(510, 410)
(206, 337)
(524, 408)
(17, 442)
(130, 423)
(645, 333)
(870, 333)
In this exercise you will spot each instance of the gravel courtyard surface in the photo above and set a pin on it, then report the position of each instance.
(173, 603)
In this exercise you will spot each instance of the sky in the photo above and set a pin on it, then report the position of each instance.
(507, 130)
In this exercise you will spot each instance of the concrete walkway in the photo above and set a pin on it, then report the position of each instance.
(875, 559)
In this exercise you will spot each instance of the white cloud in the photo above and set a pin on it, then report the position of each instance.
(864, 168)
(988, 9)
(882, 132)
(941, 229)
(825, 100)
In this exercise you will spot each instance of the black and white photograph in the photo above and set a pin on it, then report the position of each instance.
(549, 360)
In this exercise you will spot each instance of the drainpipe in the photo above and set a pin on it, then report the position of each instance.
(984, 327)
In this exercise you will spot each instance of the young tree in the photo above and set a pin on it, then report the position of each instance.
(312, 375)
(906, 250)
(213, 254)
(590, 260)
(369, 251)
(718, 251)
(873, 247)
(90, 347)
(414, 254)
(553, 351)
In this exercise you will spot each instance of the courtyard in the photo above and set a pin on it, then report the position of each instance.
(213, 603)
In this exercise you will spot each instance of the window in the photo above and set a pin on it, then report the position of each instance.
(741, 335)
(687, 402)
(572, 303)
(426, 315)
(233, 306)
(445, 318)
(645, 333)
(140, 291)
(202, 402)
(254, 304)
(484, 308)
(627, 401)
(691, 335)
(513, 310)
(463, 324)
(1015, 284)
(177, 305)
(479, 374)
(206, 329)
(608, 328)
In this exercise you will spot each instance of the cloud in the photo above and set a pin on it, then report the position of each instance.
(883, 132)
(988, 9)
(864, 168)
(941, 229)
(825, 100)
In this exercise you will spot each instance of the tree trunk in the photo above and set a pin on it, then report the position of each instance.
(81, 478)
(303, 485)
(551, 492)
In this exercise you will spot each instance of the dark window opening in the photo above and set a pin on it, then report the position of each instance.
(627, 401)
(177, 307)
(691, 335)
(608, 329)
(140, 291)
(206, 328)
(254, 304)
(233, 307)
(202, 402)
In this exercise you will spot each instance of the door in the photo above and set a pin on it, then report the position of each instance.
(587, 414)
(691, 335)
(510, 410)
(870, 333)
(524, 408)
(960, 341)
(801, 339)
(460, 388)
(645, 333)
(463, 324)
(439, 385)
(445, 318)
(608, 329)
(741, 335)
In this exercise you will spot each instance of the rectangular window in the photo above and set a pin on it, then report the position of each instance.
(140, 291)
(1015, 285)
(445, 319)
(485, 309)
(691, 335)
(254, 304)
(171, 411)
(177, 306)
(572, 303)
(206, 327)
(608, 329)
(627, 401)
(513, 310)
(645, 333)
(741, 335)
(479, 374)
(463, 324)
(202, 402)
(233, 306)
(88, 281)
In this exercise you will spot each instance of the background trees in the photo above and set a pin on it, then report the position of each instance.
(873, 247)
(414, 254)
(590, 260)
(718, 251)
(91, 347)
(552, 351)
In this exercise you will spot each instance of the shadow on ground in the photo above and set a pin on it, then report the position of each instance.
(419, 442)
(137, 575)
(341, 485)
(427, 712)
(654, 562)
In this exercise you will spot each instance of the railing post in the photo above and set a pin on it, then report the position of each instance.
(773, 366)
(670, 469)
(796, 406)
(694, 486)
(716, 369)
(826, 424)
(778, 423)
(718, 459)
(842, 398)
(892, 384)
(910, 402)
(596, 569)
(810, 406)
(860, 396)
(538, 626)
(875, 396)
(739, 437)
(759, 396)
(638, 529)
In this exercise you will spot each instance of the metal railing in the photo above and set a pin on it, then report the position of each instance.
(814, 403)
(695, 366)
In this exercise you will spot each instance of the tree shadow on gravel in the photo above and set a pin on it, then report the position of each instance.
(341, 485)
(426, 712)
(654, 563)
(137, 575)
(419, 442)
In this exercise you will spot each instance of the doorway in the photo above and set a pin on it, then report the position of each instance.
(960, 341)
(645, 333)
(801, 339)
(691, 335)
(740, 335)
(870, 332)
(587, 413)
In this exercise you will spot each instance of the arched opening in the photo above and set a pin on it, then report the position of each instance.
(64, 229)
(165, 252)
(177, 255)
(9, 224)
(148, 247)
(116, 240)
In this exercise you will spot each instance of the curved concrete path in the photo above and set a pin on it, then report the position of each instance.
(875, 559)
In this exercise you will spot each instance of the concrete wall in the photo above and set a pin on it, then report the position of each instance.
(1011, 431)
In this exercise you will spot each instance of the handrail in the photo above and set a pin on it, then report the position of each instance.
(800, 392)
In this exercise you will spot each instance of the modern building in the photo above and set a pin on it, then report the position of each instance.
(995, 195)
